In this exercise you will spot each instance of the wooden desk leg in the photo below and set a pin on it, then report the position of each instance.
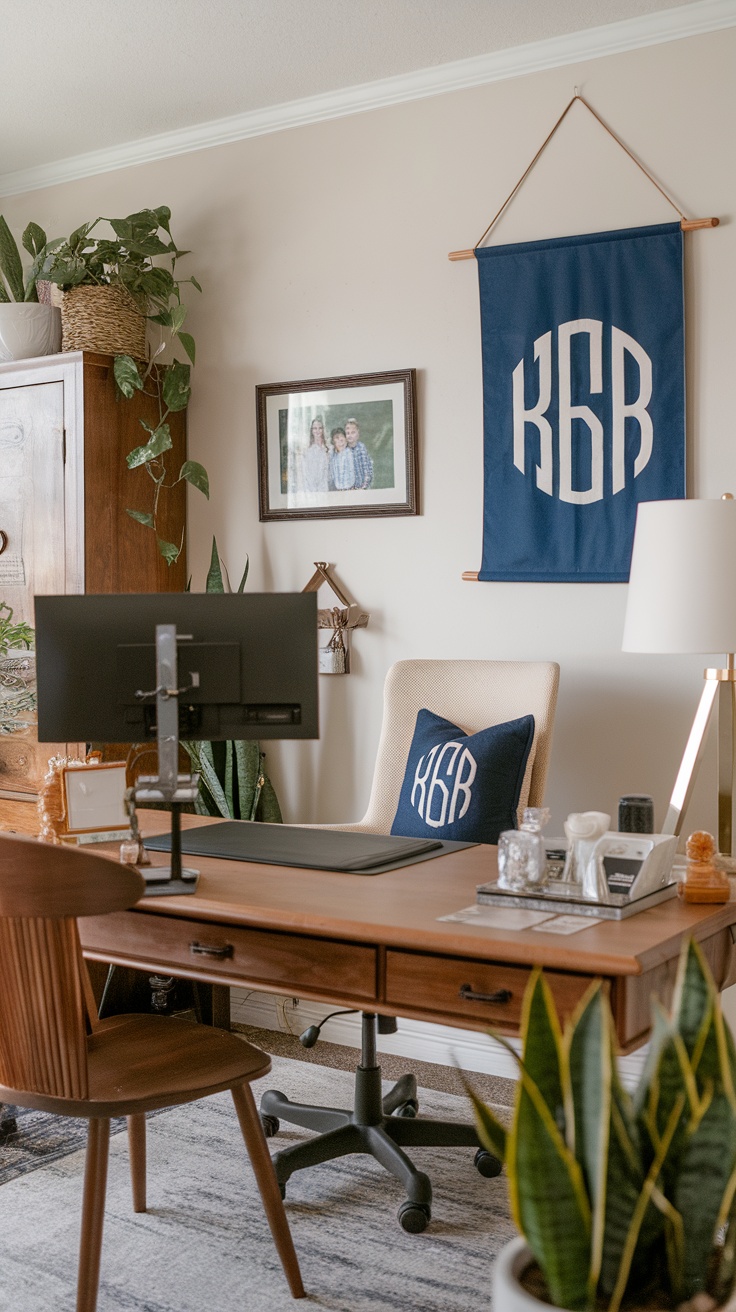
(212, 1003)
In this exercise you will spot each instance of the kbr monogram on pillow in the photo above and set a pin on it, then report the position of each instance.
(442, 789)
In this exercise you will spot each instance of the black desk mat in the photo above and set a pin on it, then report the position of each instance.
(342, 851)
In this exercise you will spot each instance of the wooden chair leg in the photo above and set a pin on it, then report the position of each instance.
(255, 1142)
(93, 1213)
(137, 1157)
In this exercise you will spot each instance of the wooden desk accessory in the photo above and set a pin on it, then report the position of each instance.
(703, 881)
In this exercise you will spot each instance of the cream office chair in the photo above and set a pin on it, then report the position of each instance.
(474, 695)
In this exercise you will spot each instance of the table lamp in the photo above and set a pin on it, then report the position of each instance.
(682, 598)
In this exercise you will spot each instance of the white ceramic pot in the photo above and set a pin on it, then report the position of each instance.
(28, 329)
(509, 1294)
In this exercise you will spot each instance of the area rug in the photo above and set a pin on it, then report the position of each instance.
(204, 1245)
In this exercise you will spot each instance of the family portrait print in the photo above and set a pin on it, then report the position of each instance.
(337, 447)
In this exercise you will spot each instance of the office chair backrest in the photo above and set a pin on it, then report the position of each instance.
(474, 695)
(43, 1011)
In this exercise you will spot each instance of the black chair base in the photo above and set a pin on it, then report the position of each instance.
(381, 1127)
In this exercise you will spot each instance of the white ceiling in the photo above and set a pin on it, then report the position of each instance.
(89, 75)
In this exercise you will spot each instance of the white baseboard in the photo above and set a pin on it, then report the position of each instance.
(415, 1039)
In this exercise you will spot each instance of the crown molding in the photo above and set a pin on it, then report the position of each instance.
(594, 43)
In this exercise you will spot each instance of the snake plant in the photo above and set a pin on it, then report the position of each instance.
(622, 1196)
(233, 782)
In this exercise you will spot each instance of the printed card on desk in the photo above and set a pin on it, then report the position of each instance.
(499, 917)
(567, 924)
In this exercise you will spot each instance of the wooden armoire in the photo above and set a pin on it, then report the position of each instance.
(64, 490)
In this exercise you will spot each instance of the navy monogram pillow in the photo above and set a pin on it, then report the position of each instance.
(463, 787)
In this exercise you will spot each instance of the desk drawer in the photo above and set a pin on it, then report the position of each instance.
(289, 962)
(442, 984)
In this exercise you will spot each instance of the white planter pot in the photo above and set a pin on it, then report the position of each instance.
(27, 329)
(509, 1294)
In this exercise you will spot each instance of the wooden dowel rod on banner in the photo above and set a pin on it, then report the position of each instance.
(470, 575)
(687, 225)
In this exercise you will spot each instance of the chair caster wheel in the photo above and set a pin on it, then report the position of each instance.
(271, 1125)
(409, 1108)
(414, 1217)
(486, 1164)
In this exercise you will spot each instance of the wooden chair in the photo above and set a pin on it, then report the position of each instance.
(56, 1056)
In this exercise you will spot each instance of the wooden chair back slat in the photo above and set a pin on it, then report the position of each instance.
(43, 1044)
(43, 1002)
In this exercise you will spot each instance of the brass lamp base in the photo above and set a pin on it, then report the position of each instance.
(720, 690)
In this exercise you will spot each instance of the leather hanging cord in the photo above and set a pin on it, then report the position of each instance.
(684, 223)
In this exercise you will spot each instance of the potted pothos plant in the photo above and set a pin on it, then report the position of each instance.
(623, 1202)
(138, 266)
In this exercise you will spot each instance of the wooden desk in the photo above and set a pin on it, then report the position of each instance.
(375, 942)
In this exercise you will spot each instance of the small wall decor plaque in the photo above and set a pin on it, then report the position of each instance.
(339, 621)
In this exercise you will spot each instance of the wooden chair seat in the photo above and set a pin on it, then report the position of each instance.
(141, 1063)
(57, 1056)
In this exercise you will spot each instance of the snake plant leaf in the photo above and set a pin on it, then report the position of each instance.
(693, 996)
(725, 1274)
(228, 781)
(34, 239)
(4, 297)
(248, 772)
(214, 581)
(210, 783)
(707, 1164)
(196, 474)
(543, 1055)
(10, 264)
(548, 1198)
(493, 1135)
(644, 1202)
(591, 1063)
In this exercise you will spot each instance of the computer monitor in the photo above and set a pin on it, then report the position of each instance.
(247, 665)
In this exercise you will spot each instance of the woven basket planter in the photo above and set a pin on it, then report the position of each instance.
(104, 319)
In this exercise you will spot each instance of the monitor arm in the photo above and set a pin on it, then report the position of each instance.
(168, 785)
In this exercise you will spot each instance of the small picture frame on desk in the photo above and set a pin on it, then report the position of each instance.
(338, 448)
(93, 797)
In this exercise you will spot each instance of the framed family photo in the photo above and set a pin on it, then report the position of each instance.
(338, 447)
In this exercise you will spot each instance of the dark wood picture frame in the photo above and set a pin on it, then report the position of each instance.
(305, 473)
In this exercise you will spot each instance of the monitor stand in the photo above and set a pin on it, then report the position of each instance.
(168, 786)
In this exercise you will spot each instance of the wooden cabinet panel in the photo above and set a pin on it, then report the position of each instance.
(32, 559)
(64, 492)
(291, 962)
(420, 982)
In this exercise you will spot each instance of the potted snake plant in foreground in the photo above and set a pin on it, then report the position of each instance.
(623, 1202)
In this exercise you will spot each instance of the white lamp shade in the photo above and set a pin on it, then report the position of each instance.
(682, 587)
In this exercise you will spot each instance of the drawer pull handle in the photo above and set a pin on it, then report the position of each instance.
(3, 541)
(209, 950)
(468, 995)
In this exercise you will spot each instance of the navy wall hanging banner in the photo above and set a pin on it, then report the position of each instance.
(583, 399)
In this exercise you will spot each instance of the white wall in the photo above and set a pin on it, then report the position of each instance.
(322, 250)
